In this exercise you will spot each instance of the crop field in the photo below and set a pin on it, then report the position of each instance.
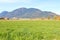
(29, 30)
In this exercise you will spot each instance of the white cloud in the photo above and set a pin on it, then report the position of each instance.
(14, 1)
(7, 1)
(57, 13)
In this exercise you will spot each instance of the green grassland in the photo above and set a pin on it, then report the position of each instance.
(30, 30)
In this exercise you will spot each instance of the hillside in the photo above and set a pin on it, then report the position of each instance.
(27, 13)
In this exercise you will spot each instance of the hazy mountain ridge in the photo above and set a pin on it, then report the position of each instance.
(27, 13)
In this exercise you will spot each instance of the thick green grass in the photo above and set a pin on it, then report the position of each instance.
(30, 30)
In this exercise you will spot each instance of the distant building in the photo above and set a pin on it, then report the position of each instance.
(14, 18)
(6, 18)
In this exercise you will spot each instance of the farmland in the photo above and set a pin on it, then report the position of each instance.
(30, 30)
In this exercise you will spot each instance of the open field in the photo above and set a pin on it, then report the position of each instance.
(30, 30)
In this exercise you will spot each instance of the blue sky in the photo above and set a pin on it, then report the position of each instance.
(44, 5)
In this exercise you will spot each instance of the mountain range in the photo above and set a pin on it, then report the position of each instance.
(27, 13)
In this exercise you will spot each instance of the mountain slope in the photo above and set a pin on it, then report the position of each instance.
(27, 13)
(3, 14)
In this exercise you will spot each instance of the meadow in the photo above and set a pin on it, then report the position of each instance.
(29, 30)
